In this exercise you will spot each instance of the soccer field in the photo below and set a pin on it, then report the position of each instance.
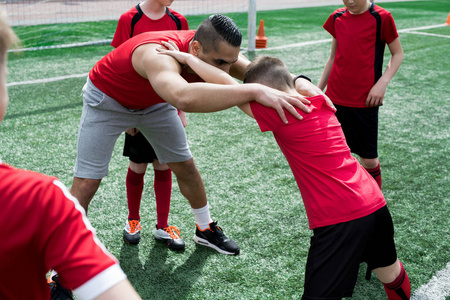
(250, 187)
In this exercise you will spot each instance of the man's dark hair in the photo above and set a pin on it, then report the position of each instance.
(215, 29)
(269, 71)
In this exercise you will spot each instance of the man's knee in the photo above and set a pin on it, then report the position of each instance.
(185, 168)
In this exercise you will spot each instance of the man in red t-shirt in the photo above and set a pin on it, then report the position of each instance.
(353, 73)
(135, 87)
(150, 15)
(345, 207)
(48, 230)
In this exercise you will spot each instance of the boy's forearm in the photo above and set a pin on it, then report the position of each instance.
(395, 62)
(392, 68)
(325, 75)
(327, 69)
(208, 72)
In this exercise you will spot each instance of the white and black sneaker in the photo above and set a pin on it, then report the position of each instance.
(171, 236)
(214, 237)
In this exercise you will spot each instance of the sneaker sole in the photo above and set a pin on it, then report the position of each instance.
(204, 242)
(131, 242)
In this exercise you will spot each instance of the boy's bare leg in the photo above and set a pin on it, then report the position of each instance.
(395, 280)
(389, 273)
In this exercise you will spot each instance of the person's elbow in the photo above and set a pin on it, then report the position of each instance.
(401, 56)
(183, 101)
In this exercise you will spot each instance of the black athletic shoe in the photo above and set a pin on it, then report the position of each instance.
(214, 237)
(132, 232)
(58, 292)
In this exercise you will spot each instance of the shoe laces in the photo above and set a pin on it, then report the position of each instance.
(170, 231)
(214, 228)
(134, 225)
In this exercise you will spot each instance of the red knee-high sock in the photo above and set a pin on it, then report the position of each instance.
(376, 174)
(400, 288)
(163, 190)
(135, 185)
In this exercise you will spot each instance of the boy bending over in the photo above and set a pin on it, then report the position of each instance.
(345, 207)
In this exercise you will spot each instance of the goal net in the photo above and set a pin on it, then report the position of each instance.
(64, 23)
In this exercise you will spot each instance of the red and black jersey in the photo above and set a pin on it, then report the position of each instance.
(358, 63)
(134, 22)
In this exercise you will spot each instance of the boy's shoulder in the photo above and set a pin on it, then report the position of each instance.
(339, 11)
(129, 13)
(380, 10)
(175, 12)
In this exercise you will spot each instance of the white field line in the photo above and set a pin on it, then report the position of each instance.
(308, 43)
(428, 34)
(438, 288)
(296, 45)
(423, 27)
(45, 80)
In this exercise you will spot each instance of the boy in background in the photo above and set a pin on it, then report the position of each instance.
(150, 15)
(353, 74)
(56, 234)
(345, 207)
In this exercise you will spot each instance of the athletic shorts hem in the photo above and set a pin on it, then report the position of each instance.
(89, 176)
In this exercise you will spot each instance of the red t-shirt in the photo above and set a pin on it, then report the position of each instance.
(144, 24)
(358, 63)
(115, 76)
(335, 188)
(43, 227)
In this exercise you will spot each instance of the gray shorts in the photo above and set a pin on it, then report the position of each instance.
(103, 120)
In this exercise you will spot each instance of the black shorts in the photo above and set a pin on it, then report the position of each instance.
(337, 250)
(360, 126)
(138, 149)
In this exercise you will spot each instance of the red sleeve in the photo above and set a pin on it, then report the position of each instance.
(184, 23)
(123, 31)
(68, 239)
(329, 25)
(389, 30)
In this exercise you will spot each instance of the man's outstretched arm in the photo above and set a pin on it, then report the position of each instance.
(163, 72)
(214, 75)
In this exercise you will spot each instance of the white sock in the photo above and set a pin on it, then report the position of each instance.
(202, 217)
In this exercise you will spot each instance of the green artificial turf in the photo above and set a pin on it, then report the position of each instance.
(250, 187)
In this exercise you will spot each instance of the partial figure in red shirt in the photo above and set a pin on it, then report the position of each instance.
(150, 15)
(353, 74)
(56, 233)
(345, 207)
